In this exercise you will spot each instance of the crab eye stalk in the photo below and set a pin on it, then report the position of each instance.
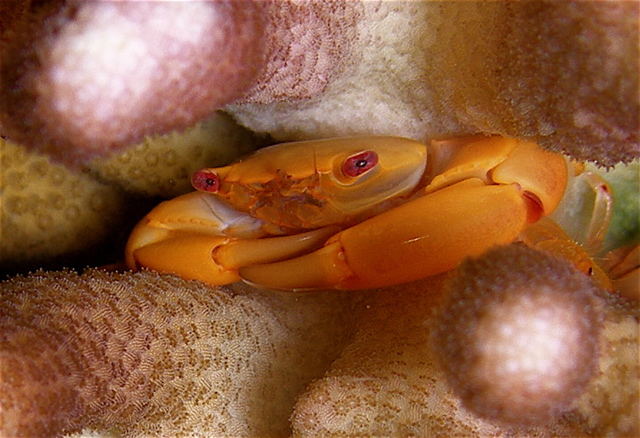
(205, 181)
(359, 163)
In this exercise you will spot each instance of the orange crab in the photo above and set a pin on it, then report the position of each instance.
(355, 213)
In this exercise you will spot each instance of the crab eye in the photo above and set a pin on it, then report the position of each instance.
(360, 163)
(205, 181)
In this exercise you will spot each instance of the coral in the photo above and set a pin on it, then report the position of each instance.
(611, 404)
(12, 13)
(560, 73)
(518, 335)
(557, 73)
(155, 67)
(384, 87)
(390, 382)
(149, 355)
(47, 210)
(116, 68)
(162, 165)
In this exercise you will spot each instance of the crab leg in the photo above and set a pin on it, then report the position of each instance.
(244, 252)
(215, 259)
(601, 214)
(201, 238)
(193, 213)
(624, 269)
(178, 236)
(426, 236)
(548, 236)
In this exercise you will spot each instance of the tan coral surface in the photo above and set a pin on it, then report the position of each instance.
(162, 165)
(561, 73)
(611, 404)
(388, 382)
(47, 210)
(149, 355)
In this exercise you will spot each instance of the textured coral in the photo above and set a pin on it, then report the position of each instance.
(100, 80)
(12, 13)
(162, 165)
(46, 210)
(611, 404)
(155, 67)
(389, 381)
(562, 73)
(518, 335)
(144, 355)
(557, 72)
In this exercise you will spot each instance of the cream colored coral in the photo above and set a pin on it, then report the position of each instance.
(47, 210)
(561, 73)
(162, 165)
(389, 383)
(611, 405)
(141, 355)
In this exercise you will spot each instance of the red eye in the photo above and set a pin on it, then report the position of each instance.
(360, 163)
(205, 181)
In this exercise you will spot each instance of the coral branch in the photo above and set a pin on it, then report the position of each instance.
(157, 356)
(518, 337)
(94, 76)
(561, 73)
(388, 382)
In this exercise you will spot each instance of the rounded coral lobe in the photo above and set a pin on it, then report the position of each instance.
(518, 337)
(91, 77)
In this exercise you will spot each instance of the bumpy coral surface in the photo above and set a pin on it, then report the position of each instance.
(155, 67)
(518, 335)
(144, 355)
(390, 380)
(561, 73)
(47, 210)
(162, 165)
(500, 67)
(611, 404)
(96, 75)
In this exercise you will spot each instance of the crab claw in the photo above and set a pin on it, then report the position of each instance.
(423, 237)
(178, 236)
(199, 237)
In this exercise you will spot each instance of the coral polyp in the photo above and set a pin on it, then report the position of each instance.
(518, 338)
